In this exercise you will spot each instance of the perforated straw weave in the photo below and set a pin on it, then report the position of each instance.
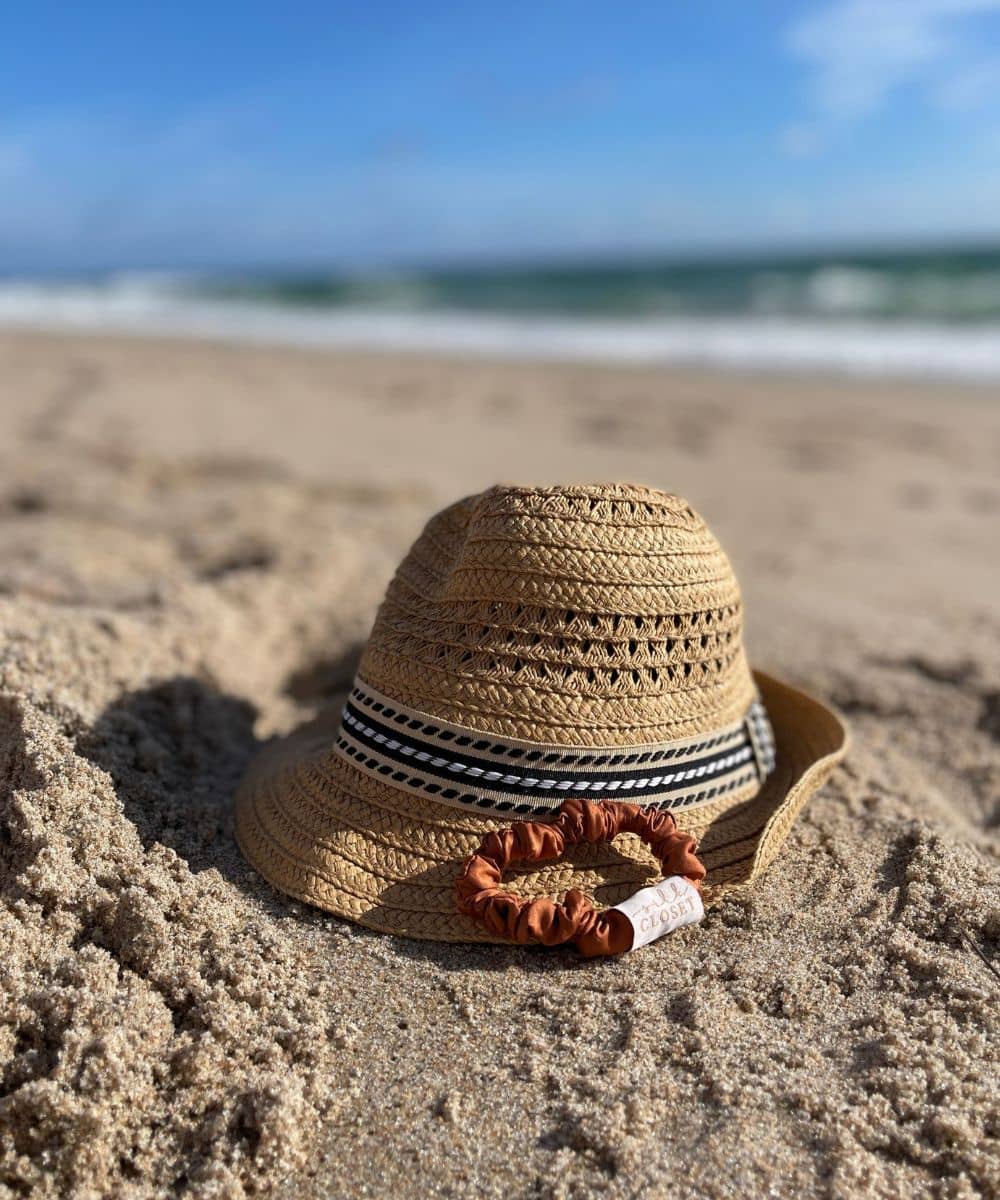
(565, 618)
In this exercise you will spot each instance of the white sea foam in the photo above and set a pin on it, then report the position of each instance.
(155, 305)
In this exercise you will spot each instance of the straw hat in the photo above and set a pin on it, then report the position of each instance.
(536, 642)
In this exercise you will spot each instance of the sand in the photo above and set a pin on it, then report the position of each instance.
(192, 542)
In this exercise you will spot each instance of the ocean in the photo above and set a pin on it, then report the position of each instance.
(917, 313)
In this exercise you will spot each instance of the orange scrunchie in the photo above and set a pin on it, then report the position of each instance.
(575, 920)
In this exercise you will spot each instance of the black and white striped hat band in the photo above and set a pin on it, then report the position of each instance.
(469, 769)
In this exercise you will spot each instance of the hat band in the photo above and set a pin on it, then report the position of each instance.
(468, 768)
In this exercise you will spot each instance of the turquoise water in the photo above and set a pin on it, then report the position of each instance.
(932, 312)
(948, 286)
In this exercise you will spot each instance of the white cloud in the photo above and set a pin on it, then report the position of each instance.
(860, 51)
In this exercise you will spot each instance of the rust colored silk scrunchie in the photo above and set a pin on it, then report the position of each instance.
(481, 897)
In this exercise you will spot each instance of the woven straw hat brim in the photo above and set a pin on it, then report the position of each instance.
(326, 834)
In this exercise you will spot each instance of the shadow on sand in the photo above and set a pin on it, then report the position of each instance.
(175, 753)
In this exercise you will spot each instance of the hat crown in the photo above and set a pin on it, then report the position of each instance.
(583, 615)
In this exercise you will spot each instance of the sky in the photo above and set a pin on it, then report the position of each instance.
(384, 133)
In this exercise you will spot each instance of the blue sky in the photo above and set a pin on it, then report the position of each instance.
(356, 133)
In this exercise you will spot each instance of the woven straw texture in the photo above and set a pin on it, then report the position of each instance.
(576, 616)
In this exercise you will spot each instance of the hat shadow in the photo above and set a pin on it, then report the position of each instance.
(321, 680)
(490, 956)
(175, 752)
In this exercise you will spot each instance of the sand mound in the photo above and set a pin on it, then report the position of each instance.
(156, 1028)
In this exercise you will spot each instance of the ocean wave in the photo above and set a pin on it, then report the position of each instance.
(173, 305)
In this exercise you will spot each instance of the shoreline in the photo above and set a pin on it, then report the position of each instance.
(844, 347)
(11, 333)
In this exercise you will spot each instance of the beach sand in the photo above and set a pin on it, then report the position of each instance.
(193, 539)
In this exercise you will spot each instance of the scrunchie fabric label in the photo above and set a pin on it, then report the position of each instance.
(661, 909)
